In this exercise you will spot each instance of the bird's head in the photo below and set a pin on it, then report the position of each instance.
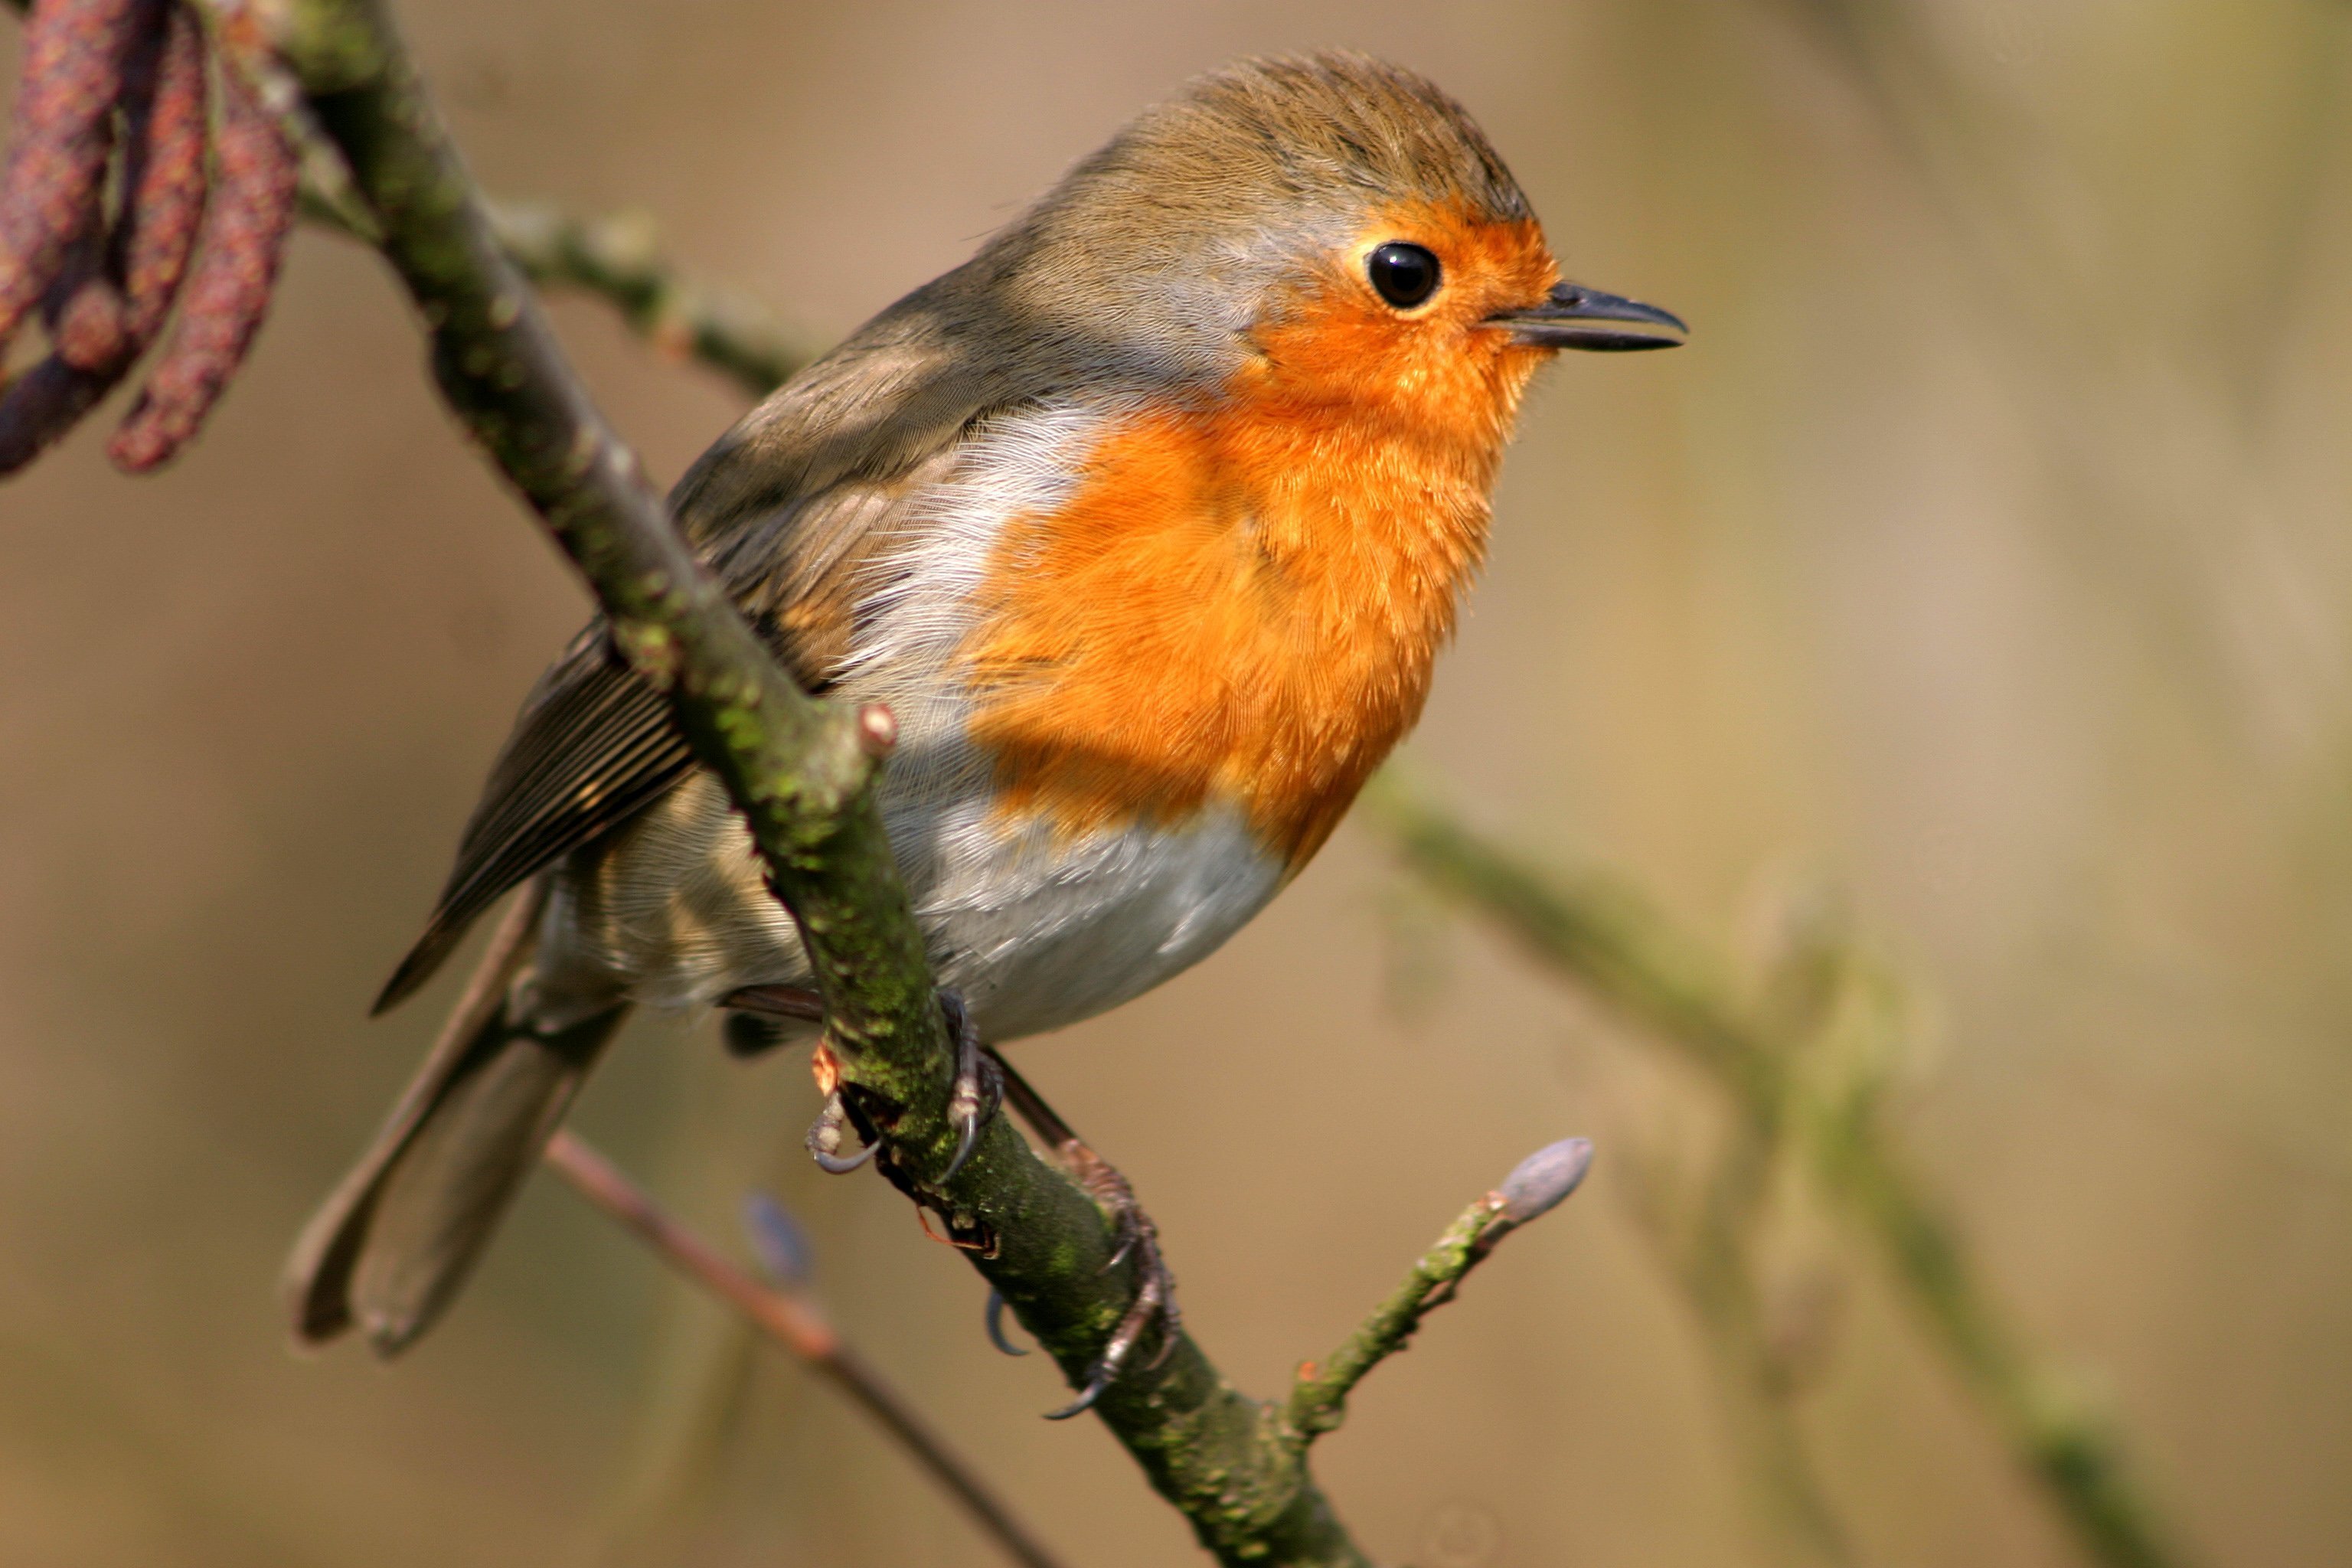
(1329, 230)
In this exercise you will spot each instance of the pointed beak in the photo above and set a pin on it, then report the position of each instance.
(1575, 317)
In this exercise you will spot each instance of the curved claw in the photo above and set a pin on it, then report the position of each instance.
(1154, 1303)
(1093, 1390)
(996, 1327)
(835, 1166)
(1172, 1328)
(1136, 1239)
(978, 1089)
(964, 1144)
(824, 1139)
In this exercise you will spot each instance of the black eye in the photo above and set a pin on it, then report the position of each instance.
(1404, 274)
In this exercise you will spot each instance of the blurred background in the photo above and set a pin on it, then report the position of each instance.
(1980, 570)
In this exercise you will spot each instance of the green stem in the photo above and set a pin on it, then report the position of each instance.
(1319, 1397)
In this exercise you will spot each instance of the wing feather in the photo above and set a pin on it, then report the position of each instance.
(593, 745)
(789, 507)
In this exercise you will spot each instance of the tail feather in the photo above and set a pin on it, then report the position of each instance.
(396, 1239)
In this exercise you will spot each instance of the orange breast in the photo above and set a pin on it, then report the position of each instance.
(1241, 601)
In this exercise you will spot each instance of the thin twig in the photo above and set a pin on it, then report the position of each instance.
(1319, 1397)
(795, 1321)
(616, 260)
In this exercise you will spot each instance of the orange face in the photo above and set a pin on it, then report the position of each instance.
(1438, 365)
(1242, 599)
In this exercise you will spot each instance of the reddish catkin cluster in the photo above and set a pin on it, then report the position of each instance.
(117, 87)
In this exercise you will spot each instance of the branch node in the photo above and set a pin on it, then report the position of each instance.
(877, 729)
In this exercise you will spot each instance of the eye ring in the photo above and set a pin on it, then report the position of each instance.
(1405, 274)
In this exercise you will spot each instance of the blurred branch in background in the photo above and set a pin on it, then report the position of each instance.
(618, 259)
(1707, 1231)
(790, 1316)
(1802, 1068)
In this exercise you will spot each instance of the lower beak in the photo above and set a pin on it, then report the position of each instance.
(1575, 317)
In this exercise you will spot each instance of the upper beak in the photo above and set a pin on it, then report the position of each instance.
(1575, 317)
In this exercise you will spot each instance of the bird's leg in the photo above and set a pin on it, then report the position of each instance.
(1155, 1299)
(978, 1087)
(983, 1081)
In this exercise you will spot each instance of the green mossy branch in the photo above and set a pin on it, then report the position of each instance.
(802, 772)
(803, 775)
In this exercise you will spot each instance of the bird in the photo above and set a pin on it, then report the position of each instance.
(1145, 524)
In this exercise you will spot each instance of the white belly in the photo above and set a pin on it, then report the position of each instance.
(1035, 929)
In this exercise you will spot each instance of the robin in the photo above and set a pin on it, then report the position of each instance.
(1146, 523)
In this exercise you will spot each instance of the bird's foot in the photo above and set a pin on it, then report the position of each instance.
(1154, 1307)
(829, 1131)
(978, 1090)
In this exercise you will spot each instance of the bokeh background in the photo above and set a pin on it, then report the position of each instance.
(1984, 562)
